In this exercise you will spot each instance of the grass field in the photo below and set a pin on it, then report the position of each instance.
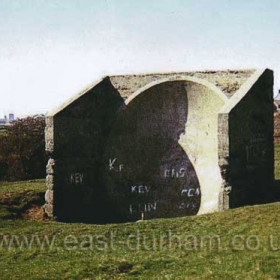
(19, 197)
(242, 243)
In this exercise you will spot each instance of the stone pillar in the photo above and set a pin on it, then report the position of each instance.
(49, 198)
(49, 195)
(223, 154)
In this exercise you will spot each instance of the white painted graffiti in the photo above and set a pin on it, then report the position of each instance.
(144, 207)
(173, 173)
(114, 166)
(76, 178)
(140, 189)
(190, 192)
(187, 205)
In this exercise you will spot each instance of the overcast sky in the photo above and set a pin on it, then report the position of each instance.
(50, 50)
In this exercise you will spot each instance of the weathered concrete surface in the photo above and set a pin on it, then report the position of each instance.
(228, 81)
(163, 145)
(277, 145)
(75, 138)
(246, 142)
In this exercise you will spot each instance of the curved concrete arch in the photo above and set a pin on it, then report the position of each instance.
(160, 111)
(144, 140)
(205, 83)
(200, 138)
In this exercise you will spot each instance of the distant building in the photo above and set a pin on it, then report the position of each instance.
(7, 121)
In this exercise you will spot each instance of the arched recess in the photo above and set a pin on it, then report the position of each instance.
(163, 151)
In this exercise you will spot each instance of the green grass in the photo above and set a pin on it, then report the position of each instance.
(110, 251)
(16, 198)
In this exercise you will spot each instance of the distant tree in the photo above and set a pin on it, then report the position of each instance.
(22, 149)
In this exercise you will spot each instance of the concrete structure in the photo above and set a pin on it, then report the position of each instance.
(277, 101)
(277, 145)
(161, 145)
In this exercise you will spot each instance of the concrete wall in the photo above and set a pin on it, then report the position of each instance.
(277, 145)
(75, 136)
(246, 142)
(228, 81)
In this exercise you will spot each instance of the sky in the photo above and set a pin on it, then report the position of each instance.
(51, 50)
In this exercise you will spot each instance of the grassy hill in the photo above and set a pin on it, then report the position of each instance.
(19, 198)
(242, 243)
